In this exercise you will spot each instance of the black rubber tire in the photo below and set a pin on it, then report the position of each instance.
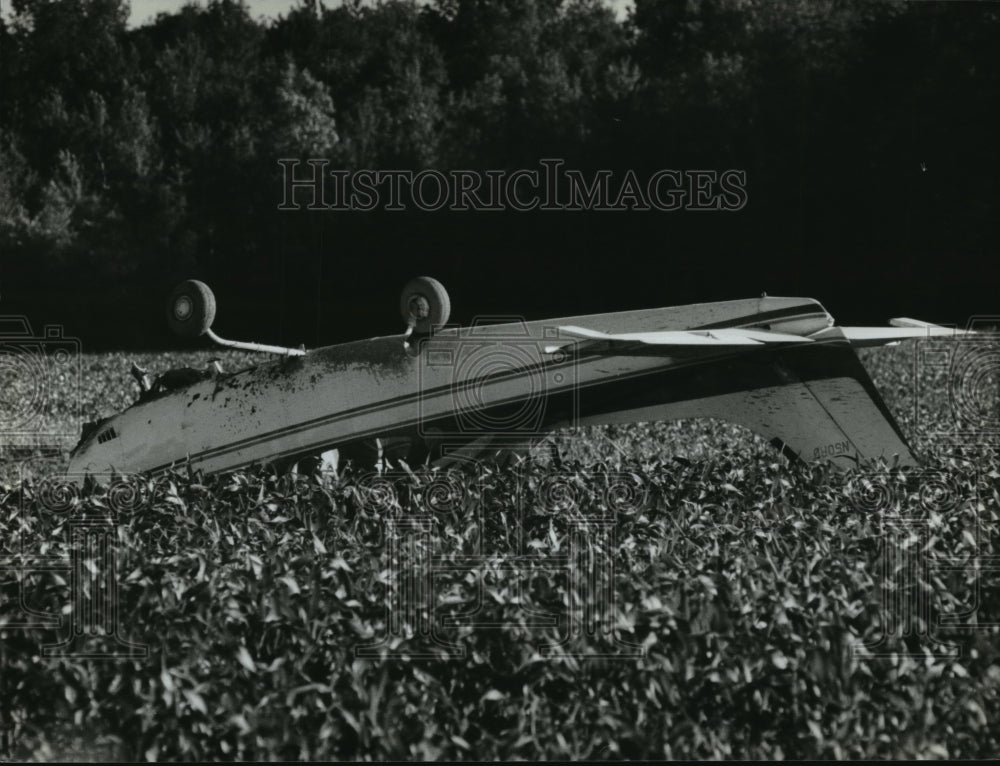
(425, 303)
(190, 309)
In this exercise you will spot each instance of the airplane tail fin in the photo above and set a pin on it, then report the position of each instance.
(816, 401)
(838, 416)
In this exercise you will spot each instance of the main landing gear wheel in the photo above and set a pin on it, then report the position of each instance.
(191, 309)
(424, 305)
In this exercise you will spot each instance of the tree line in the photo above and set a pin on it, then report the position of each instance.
(131, 158)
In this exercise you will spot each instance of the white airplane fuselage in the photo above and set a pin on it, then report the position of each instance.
(463, 387)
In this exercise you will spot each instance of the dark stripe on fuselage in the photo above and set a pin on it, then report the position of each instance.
(746, 371)
(746, 320)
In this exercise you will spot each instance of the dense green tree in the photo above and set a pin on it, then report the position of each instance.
(528, 79)
(130, 157)
(382, 70)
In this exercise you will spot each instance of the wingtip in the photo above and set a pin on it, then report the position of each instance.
(908, 322)
(932, 328)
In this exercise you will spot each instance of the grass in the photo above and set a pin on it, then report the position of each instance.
(752, 613)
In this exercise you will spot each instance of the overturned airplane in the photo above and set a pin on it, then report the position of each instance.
(778, 366)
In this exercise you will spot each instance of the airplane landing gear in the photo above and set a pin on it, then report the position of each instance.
(191, 309)
(425, 306)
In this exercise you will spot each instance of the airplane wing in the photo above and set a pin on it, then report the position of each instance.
(677, 340)
(902, 329)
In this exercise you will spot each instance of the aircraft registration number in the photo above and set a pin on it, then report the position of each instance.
(831, 450)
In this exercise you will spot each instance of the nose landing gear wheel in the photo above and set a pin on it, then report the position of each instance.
(424, 305)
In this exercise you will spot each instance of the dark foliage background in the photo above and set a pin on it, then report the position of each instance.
(132, 158)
